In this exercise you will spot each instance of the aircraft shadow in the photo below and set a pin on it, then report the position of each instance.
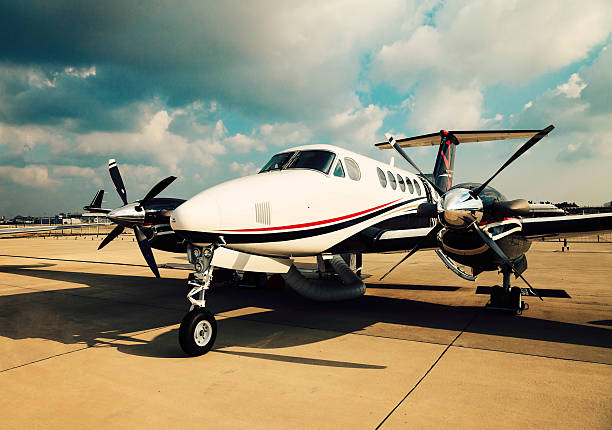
(119, 309)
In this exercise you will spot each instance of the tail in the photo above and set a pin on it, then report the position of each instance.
(444, 169)
(96, 203)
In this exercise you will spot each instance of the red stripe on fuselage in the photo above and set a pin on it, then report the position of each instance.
(315, 223)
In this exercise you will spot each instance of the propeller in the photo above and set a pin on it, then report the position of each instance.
(462, 208)
(132, 215)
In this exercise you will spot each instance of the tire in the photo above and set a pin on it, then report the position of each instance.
(198, 332)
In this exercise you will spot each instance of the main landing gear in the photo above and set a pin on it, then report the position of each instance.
(507, 298)
(198, 329)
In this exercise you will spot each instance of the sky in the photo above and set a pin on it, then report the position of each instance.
(208, 91)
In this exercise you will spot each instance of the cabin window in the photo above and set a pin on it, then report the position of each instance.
(381, 177)
(277, 162)
(352, 168)
(314, 159)
(392, 180)
(402, 185)
(339, 171)
(409, 185)
(417, 187)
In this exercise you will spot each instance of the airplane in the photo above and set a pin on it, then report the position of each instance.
(335, 204)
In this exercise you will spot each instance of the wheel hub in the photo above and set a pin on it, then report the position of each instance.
(202, 333)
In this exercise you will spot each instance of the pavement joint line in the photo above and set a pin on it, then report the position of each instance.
(527, 354)
(429, 370)
(44, 359)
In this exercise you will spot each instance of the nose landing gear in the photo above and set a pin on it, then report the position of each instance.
(198, 329)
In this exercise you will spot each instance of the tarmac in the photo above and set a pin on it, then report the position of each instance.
(88, 339)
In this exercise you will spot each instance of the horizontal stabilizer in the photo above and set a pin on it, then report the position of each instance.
(462, 136)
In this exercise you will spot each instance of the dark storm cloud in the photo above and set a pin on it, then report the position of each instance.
(178, 52)
(48, 95)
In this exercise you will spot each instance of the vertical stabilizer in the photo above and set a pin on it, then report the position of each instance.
(445, 162)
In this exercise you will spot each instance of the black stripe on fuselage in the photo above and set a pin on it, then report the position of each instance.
(235, 238)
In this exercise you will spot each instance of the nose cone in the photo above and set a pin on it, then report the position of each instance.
(127, 215)
(198, 219)
(459, 209)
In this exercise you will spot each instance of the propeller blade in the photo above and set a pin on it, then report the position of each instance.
(116, 177)
(158, 188)
(431, 235)
(401, 152)
(145, 248)
(486, 239)
(535, 139)
(112, 235)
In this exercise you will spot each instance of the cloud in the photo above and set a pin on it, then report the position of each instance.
(355, 127)
(576, 152)
(572, 88)
(243, 169)
(444, 107)
(494, 42)
(30, 176)
(290, 59)
(154, 142)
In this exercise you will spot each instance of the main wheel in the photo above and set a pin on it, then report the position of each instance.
(198, 332)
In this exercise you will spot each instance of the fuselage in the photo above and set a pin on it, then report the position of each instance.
(301, 210)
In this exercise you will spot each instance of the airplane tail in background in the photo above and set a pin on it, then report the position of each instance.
(96, 204)
(444, 168)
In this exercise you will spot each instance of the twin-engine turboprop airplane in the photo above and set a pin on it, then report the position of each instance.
(328, 202)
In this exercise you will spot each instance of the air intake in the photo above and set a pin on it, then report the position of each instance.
(262, 213)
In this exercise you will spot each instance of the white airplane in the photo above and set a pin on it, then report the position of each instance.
(329, 202)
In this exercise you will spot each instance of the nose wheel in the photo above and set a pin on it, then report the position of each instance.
(198, 332)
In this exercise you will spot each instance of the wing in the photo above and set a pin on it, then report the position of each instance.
(15, 230)
(566, 226)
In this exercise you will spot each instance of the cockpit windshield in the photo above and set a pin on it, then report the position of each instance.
(277, 162)
(315, 159)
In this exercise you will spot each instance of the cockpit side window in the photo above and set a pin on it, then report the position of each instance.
(352, 168)
(315, 159)
(277, 162)
(339, 171)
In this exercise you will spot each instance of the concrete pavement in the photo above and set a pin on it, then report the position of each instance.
(89, 339)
